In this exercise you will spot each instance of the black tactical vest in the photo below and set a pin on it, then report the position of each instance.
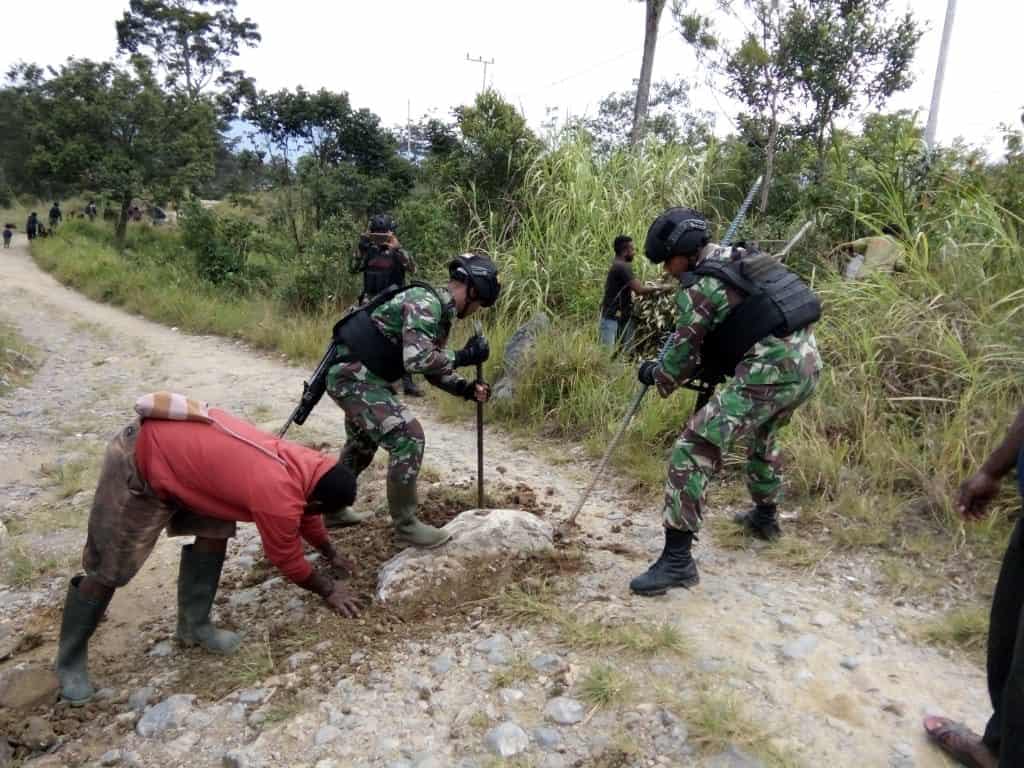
(367, 343)
(775, 302)
(383, 270)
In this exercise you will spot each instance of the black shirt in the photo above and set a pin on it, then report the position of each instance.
(618, 296)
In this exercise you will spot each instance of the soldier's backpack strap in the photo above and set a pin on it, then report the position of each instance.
(367, 343)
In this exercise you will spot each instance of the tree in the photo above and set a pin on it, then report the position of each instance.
(761, 75)
(191, 41)
(652, 19)
(100, 127)
(670, 117)
(846, 56)
(330, 157)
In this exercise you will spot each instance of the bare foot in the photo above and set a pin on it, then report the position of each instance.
(959, 742)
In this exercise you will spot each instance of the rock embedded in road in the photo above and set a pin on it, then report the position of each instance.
(564, 711)
(168, 714)
(27, 688)
(507, 740)
(497, 535)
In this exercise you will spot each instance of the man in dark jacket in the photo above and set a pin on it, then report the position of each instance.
(384, 263)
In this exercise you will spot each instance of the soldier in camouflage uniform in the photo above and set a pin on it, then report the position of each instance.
(404, 333)
(749, 319)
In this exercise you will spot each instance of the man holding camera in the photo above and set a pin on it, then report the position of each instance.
(384, 263)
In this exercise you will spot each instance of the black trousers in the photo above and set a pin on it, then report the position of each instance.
(1004, 733)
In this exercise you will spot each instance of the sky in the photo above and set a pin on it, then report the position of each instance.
(409, 57)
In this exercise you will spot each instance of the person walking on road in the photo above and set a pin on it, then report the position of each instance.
(1002, 744)
(746, 320)
(55, 217)
(32, 225)
(198, 471)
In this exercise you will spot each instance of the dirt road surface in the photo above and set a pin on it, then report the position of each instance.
(810, 667)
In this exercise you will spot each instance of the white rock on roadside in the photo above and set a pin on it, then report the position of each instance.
(495, 534)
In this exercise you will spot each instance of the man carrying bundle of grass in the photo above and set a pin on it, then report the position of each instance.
(198, 471)
(616, 328)
(748, 318)
(404, 330)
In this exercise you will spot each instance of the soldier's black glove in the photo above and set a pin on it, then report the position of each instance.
(646, 372)
(476, 351)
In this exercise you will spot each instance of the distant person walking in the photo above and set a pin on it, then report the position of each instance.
(8, 234)
(55, 216)
(32, 225)
(90, 210)
(616, 327)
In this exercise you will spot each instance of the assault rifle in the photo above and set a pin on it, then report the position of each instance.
(312, 390)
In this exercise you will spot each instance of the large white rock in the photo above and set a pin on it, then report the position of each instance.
(495, 534)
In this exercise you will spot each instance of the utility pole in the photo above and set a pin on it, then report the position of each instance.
(940, 73)
(485, 62)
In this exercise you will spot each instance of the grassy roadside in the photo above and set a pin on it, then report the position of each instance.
(155, 278)
(17, 359)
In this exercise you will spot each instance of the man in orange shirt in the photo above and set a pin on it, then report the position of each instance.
(200, 478)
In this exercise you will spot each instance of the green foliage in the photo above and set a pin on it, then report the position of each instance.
(428, 229)
(573, 204)
(318, 277)
(219, 245)
(192, 41)
(96, 126)
(488, 166)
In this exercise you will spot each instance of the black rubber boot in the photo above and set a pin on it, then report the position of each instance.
(76, 627)
(409, 387)
(675, 567)
(762, 521)
(198, 578)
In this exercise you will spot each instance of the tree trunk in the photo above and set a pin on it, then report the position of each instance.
(643, 90)
(122, 223)
(769, 164)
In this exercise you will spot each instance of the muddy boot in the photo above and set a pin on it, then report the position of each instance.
(409, 531)
(198, 578)
(345, 518)
(80, 619)
(675, 567)
(409, 387)
(762, 521)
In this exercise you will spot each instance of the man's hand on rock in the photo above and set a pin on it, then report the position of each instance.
(343, 600)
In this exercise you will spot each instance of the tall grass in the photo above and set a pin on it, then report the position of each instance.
(574, 205)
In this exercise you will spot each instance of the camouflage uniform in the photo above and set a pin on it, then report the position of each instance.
(374, 416)
(772, 380)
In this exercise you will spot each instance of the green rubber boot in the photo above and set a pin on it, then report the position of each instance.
(344, 518)
(76, 627)
(198, 578)
(409, 530)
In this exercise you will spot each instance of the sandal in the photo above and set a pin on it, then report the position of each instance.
(959, 742)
